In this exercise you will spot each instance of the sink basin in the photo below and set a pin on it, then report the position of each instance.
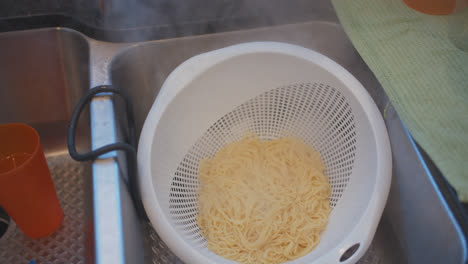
(43, 73)
(141, 70)
(409, 232)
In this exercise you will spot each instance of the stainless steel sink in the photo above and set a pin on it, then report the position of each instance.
(409, 231)
(43, 73)
(142, 69)
(57, 66)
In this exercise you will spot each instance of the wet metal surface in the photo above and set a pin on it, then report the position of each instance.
(72, 242)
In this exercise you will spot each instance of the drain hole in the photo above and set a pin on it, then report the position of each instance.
(350, 252)
(4, 222)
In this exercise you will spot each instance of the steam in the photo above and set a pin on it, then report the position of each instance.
(141, 20)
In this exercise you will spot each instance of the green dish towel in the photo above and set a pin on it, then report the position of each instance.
(422, 63)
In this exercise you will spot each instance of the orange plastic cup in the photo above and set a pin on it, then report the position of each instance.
(437, 7)
(27, 192)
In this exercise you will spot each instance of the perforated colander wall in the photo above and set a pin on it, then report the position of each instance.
(314, 112)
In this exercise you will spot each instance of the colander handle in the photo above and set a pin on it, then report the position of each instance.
(128, 147)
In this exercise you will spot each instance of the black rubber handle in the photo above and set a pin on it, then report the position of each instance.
(129, 148)
(94, 154)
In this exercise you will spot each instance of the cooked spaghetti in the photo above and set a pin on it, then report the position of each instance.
(263, 201)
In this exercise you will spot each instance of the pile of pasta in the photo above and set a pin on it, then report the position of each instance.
(263, 201)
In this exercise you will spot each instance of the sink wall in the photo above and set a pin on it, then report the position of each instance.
(43, 73)
(142, 20)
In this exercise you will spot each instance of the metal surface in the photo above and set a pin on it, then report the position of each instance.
(415, 206)
(72, 242)
(43, 73)
(156, 251)
(142, 20)
(117, 230)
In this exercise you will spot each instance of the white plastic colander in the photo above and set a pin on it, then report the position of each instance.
(268, 88)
